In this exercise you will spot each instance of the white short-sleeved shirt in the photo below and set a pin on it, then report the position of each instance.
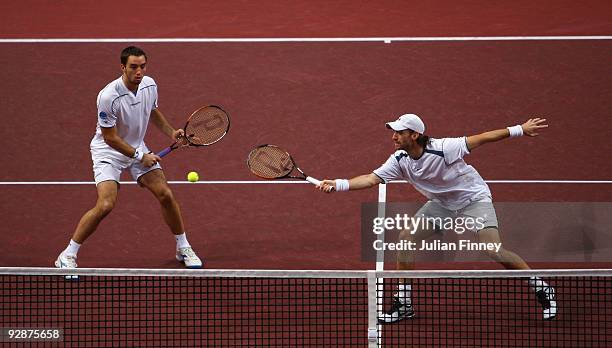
(129, 112)
(440, 174)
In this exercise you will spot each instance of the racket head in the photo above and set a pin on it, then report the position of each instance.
(270, 162)
(207, 125)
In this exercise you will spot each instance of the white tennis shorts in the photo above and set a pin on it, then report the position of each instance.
(473, 217)
(108, 165)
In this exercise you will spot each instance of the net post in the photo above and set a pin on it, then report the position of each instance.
(373, 328)
(382, 200)
(380, 255)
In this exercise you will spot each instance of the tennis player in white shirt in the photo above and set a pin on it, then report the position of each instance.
(435, 167)
(125, 107)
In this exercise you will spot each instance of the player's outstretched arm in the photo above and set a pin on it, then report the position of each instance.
(530, 128)
(356, 183)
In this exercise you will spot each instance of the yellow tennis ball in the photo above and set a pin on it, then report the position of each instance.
(193, 177)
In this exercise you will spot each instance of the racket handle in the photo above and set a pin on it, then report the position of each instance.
(164, 152)
(313, 180)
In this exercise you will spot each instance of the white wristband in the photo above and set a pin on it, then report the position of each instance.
(138, 155)
(342, 185)
(515, 131)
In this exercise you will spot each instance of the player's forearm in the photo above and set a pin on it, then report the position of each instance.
(356, 183)
(487, 137)
(120, 145)
(160, 121)
(364, 181)
(529, 128)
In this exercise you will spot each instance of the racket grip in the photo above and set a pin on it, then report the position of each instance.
(313, 180)
(164, 152)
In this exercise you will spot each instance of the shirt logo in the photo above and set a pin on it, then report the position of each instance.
(400, 154)
(104, 117)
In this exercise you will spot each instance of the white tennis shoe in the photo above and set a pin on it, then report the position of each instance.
(546, 298)
(67, 261)
(398, 311)
(189, 257)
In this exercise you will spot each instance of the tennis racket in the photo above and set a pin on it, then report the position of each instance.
(205, 126)
(272, 162)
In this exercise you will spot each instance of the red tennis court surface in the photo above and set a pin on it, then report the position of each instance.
(326, 103)
(317, 18)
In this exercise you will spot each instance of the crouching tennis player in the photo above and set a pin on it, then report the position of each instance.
(125, 107)
(435, 167)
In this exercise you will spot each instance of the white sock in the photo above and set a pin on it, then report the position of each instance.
(181, 241)
(72, 249)
(537, 283)
(404, 292)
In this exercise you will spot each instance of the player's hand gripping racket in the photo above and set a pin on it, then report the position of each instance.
(205, 126)
(272, 162)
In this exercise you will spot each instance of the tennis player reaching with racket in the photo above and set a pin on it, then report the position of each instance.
(125, 107)
(435, 167)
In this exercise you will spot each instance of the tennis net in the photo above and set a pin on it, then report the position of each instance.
(259, 308)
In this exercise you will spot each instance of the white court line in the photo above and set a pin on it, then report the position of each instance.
(134, 182)
(535, 182)
(306, 39)
(282, 182)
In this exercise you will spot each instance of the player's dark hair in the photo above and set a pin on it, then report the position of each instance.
(422, 139)
(131, 51)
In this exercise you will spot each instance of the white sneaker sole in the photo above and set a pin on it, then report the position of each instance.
(190, 266)
(393, 318)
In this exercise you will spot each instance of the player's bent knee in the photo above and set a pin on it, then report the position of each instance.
(104, 207)
(165, 195)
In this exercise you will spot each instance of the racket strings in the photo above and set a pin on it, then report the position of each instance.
(270, 162)
(207, 126)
